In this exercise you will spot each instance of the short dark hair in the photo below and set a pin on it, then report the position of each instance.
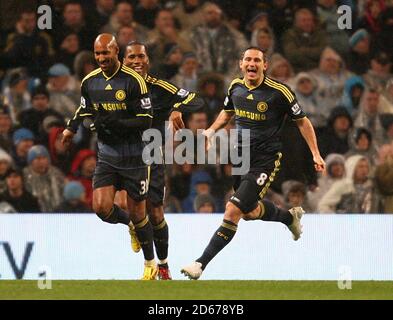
(137, 43)
(254, 48)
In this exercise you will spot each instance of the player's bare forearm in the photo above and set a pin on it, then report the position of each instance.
(222, 120)
(307, 130)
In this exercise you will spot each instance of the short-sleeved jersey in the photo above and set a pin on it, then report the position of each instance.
(167, 97)
(263, 111)
(125, 94)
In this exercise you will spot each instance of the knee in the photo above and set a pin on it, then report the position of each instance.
(102, 209)
(156, 215)
(232, 213)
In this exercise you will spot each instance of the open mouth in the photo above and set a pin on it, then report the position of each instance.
(138, 68)
(104, 64)
(251, 72)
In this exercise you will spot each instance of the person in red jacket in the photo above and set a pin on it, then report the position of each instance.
(82, 170)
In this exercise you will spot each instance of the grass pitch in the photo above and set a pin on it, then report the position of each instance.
(195, 290)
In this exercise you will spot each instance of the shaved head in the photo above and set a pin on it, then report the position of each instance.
(106, 39)
(105, 52)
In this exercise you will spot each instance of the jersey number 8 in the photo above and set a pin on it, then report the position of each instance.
(262, 178)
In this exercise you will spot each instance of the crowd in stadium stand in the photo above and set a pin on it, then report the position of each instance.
(342, 79)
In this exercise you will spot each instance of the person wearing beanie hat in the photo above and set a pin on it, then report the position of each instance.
(23, 140)
(63, 89)
(43, 180)
(360, 54)
(73, 194)
(36, 152)
(204, 203)
(17, 195)
(358, 36)
(33, 118)
(187, 77)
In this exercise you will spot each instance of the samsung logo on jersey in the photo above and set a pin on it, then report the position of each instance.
(296, 109)
(145, 103)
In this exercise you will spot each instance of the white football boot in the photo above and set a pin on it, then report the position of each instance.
(296, 226)
(193, 271)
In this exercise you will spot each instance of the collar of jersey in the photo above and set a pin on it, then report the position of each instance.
(108, 78)
(252, 87)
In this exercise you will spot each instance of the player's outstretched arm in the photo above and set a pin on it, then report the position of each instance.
(222, 120)
(308, 133)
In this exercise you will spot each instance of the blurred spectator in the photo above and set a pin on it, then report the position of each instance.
(82, 169)
(371, 20)
(125, 35)
(334, 138)
(369, 116)
(69, 48)
(305, 88)
(387, 124)
(386, 98)
(335, 171)
(181, 180)
(60, 156)
(165, 32)
(173, 57)
(201, 183)
(43, 180)
(280, 69)
(281, 18)
(384, 37)
(73, 20)
(29, 47)
(295, 194)
(360, 53)
(6, 142)
(84, 63)
(73, 194)
(146, 12)
(264, 38)
(33, 118)
(215, 44)
(303, 43)
(353, 91)
(63, 90)
(16, 194)
(16, 95)
(5, 165)
(187, 77)
(354, 194)
(122, 16)
(384, 177)
(23, 140)
(211, 89)
(363, 145)
(99, 15)
(204, 203)
(331, 76)
(379, 73)
(188, 13)
(171, 203)
(197, 120)
(328, 17)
